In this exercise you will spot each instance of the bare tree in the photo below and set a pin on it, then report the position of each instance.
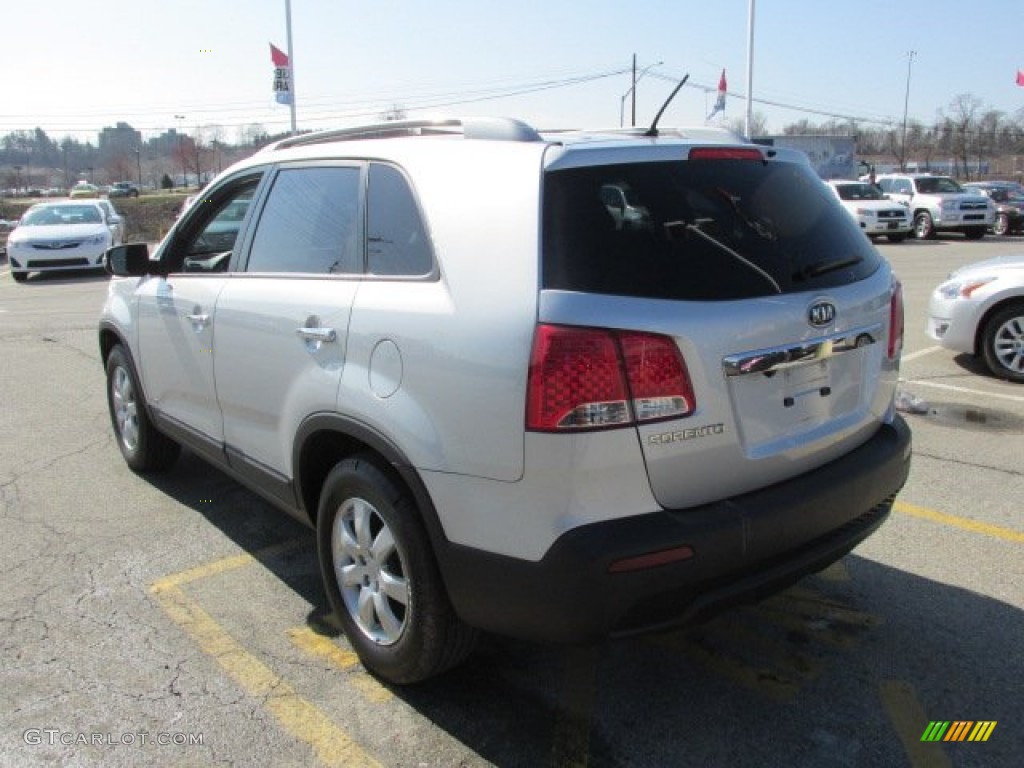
(120, 165)
(758, 125)
(963, 122)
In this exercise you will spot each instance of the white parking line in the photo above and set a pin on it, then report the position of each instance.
(920, 353)
(965, 390)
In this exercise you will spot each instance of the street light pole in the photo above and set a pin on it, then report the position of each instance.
(632, 90)
(906, 104)
(138, 165)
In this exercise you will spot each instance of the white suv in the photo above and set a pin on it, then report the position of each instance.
(939, 204)
(501, 405)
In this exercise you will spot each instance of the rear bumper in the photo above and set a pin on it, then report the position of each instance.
(744, 548)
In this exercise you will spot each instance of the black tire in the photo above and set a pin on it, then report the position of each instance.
(1001, 225)
(924, 227)
(898, 238)
(19, 277)
(385, 588)
(144, 447)
(974, 233)
(1002, 343)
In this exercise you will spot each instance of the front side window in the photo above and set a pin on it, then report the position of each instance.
(208, 237)
(310, 223)
(938, 185)
(396, 239)
(708, 229)
(859, 192)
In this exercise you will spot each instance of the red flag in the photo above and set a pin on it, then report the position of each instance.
(279, 57)
(1020, 77)
(720, 101)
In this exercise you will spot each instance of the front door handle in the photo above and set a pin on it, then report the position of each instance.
(317, 334)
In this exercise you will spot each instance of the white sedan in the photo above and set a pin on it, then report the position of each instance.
(979, 309)
(71, 234)
(876, 214)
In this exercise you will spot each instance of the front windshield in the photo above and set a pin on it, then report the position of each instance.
(859, 192)
(52, 215)
(938, 184)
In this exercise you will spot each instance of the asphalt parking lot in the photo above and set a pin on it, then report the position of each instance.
(179, 621)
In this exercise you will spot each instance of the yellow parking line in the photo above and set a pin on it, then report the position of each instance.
(909, 719)
(300, 718)
(986, 529)
(308, 641)
(230, 563)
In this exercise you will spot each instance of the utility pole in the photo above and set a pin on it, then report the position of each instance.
(632, 89)
(181, 151)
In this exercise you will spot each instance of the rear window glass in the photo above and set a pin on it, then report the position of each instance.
(714, 229)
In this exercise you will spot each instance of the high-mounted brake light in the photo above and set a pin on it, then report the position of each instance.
(895, 346)
(726, 153)
(594, 378)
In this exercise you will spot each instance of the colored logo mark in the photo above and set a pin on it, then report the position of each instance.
(958, 730)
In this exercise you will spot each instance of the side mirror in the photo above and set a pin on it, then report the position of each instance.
(130, 260)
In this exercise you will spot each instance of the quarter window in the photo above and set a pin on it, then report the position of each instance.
(310, 223)
(396, 238)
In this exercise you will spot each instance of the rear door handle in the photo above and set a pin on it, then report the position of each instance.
(199, 320)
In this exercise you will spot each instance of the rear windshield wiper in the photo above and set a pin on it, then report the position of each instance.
(672, 226)
(819, 268)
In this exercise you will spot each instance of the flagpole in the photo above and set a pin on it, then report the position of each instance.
(750, 68)
(291, 57)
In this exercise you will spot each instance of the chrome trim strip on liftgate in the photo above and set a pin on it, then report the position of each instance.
(774, 358)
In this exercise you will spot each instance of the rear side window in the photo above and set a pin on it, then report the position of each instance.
(310, 223)
(714, 229)
(396, 240)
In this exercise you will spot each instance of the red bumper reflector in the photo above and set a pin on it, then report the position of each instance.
(651, 560)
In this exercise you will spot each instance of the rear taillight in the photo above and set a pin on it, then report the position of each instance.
(594, 378)
(895, 321)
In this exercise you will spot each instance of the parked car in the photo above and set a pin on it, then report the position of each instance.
(115, 221)
(5, 230)
(84, 190)
(939, 204)
(65, 235)
(979, 309)
(500, 407)
(873, 211)
(1009, 201)
(123, 189)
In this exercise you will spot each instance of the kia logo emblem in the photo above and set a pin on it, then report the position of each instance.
(821, 313)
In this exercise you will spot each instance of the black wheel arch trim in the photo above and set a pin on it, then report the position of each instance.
(352, 429)
(106, 327)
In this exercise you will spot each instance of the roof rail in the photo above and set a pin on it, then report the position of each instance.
(487, 128)
(693, 133)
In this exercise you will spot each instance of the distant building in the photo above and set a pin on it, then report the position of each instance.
(119, 140)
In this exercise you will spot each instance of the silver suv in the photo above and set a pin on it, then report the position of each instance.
(503, 404)
(939, 204)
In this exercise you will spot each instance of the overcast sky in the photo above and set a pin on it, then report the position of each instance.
(74, 66)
